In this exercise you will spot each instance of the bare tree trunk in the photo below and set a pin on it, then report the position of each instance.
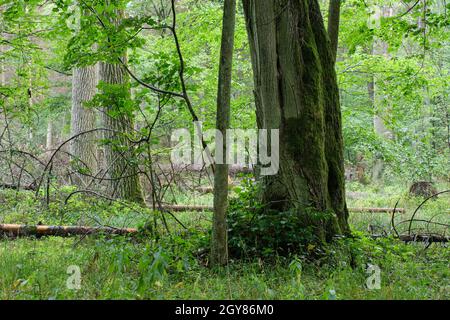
(2, 67)
(219, 247)
(84, 148)
(334, 13)
(30, 106)
(49, 140)
(296, 92)
(378, 121)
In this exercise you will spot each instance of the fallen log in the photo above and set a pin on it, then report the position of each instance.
(351, 195)
(233, 169)
(205, 189)
(210, 189)
(424, 238)
(18, 230)
(16, 187)
(427, 238)
(200, 208)
(181, 208)
(377, 210)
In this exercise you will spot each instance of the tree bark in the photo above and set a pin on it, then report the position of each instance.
(83, 149)
(119, 155)
(121, 164)
(49, 138)
(296, 92)
(334, 13)
(219, 245)
(380, 130)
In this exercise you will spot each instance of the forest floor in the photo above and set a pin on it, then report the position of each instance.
(173, 265)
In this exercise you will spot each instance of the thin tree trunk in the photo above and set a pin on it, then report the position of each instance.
(334, 12)
(378, 121)
(49, 140)
(296, 92)
(219, 248)
(2, 67)
(84, 148)
(30, 104)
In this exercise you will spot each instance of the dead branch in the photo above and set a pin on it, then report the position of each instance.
(378, 210)
(424, 238)
(417, 209)
(182, 208)
(427, 238)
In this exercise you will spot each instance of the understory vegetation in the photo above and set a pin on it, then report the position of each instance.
(175, 265)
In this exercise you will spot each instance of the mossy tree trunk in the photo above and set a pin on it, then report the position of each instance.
(296, 92)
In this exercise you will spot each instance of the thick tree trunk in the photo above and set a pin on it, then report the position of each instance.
(219, 246)
(296, 92)
(84, 148)
(121, 164)
(119, 155)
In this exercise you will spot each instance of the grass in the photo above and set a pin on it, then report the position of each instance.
(173, 267)
(114, 269)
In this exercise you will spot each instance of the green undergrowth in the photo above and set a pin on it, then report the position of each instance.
(173, 268)
(173, 263)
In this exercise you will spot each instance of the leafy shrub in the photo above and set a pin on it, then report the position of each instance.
(257, 231)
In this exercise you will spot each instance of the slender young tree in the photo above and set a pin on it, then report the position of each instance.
(379, 47)
(219, 248)
(296, 92)
(49, 138)
(334, 14)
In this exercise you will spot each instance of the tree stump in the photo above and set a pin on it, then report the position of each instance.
(422, 189)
